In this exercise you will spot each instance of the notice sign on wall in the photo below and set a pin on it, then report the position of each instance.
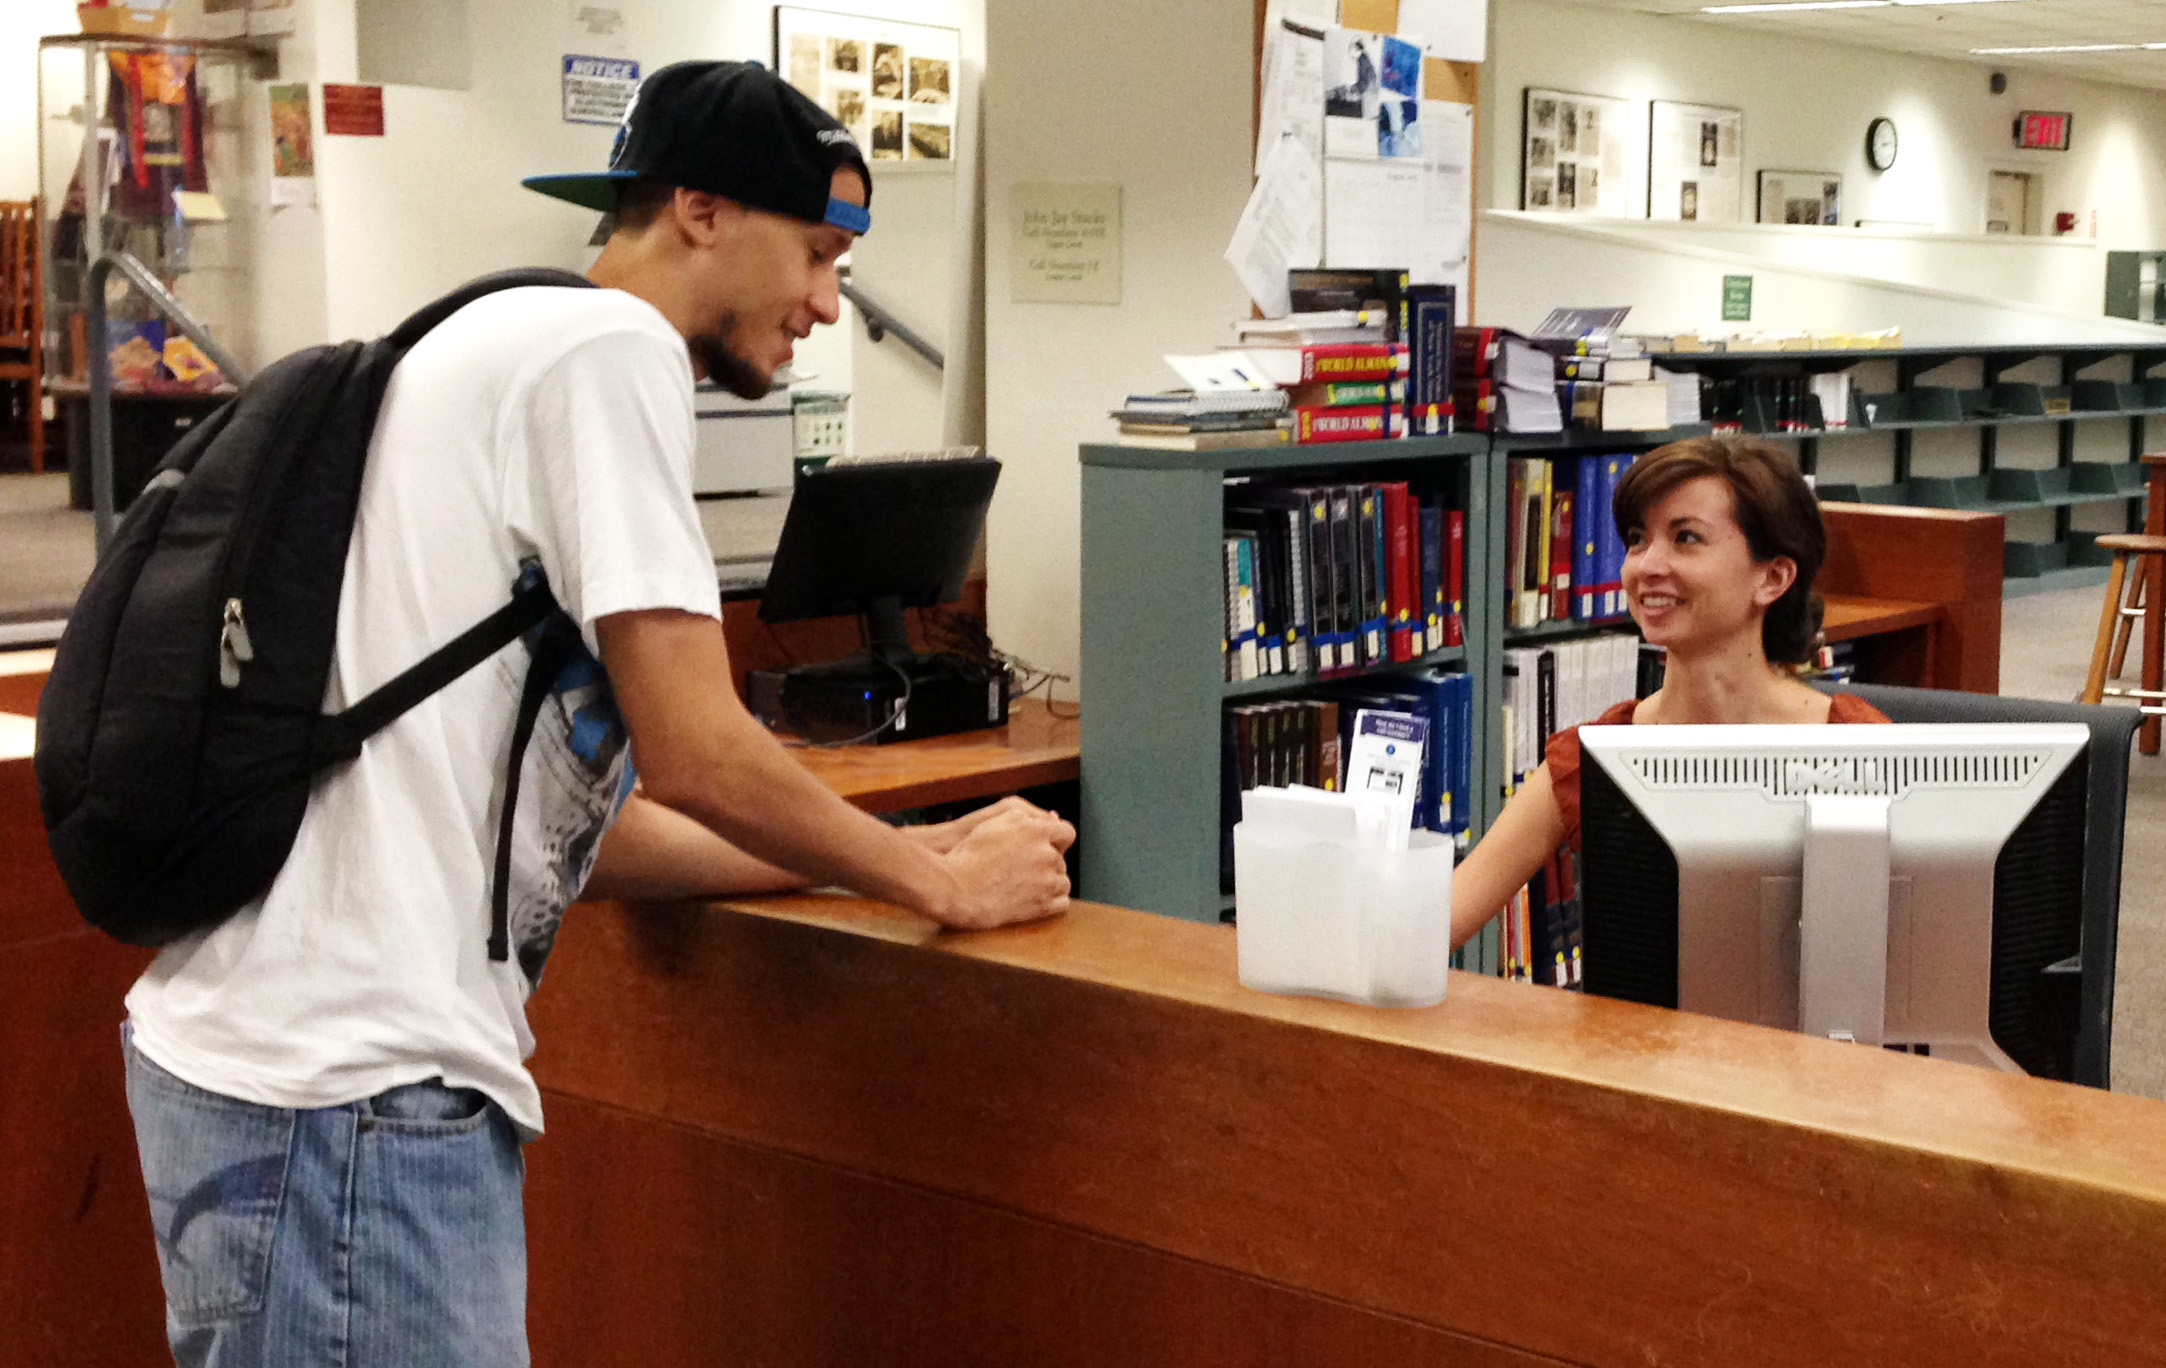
(1737, 299)
(353, 111)
(598, 90)
(1067, 244)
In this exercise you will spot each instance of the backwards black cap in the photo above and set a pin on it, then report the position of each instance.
(733, 129)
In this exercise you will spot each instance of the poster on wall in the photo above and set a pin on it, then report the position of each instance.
(1801, 197)
(892, 84)
(1695, 162)
(1572, 154)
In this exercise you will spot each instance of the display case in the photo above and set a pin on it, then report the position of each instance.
(157, 147)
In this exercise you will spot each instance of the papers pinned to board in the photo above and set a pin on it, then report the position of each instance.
(1281, 227)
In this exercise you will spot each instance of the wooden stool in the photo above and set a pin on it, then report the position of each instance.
(2150, 698)
(2154, 525)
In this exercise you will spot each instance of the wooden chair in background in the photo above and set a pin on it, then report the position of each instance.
(22, 315)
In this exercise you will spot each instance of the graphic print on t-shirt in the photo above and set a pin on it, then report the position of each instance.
(577, 777)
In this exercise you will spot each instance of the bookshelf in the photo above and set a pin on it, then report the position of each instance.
(1153, 579)
(2065, 407)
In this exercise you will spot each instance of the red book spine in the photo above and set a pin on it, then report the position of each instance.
(1560, 556)
(1356, 423)
(1455, 575)
(1401, 561)
(1353, 361)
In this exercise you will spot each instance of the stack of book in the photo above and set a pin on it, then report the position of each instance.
(1564, 561)
(1343, 376)
(1605, 381)
(1503, 383)
(1189, 420)
(1324, 580)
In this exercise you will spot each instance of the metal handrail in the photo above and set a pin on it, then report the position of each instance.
(879, 322)
(101, 370)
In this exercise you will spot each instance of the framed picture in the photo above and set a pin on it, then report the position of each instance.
(1809, 197)
(892, 84)
(1572, 154)
(1695, 162)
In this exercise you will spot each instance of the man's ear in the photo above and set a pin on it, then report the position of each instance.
(703, 219)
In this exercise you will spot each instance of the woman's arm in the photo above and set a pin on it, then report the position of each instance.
(1529, 828)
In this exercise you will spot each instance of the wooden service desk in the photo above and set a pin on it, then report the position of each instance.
(1038, 746)
(812, 1130)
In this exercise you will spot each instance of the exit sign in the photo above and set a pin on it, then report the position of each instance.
(2042, 129)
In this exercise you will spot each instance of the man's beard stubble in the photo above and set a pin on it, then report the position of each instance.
(726, 368)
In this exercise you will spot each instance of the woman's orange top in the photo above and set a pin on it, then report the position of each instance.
(1562, 753)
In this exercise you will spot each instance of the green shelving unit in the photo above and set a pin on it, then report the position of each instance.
(1153, 583)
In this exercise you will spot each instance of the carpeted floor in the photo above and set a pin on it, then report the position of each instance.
(45, 554)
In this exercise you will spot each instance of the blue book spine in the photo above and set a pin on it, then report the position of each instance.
(1609, 551)
(1462, 753)
(1587, 517)
(1443, 741)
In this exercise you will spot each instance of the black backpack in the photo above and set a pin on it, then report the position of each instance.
(183, 723)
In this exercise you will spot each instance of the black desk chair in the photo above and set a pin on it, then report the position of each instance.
(2106, 813)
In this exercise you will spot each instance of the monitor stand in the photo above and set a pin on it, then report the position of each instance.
(1843, 926)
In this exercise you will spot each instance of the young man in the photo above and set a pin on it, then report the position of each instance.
(329, 1089)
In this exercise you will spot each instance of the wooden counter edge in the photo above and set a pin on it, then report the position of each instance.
(2114, 1142)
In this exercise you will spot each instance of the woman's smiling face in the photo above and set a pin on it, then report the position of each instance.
(1690, 579)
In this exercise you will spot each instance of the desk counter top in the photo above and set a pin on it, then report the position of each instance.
(1585, 1181)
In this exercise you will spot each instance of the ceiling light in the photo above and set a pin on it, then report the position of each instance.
(2065, 47)
(1796, 5)
(1950, 2)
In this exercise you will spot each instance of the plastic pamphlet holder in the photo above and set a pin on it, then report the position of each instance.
(1332, 919)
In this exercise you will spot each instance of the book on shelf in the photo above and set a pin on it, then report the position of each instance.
(1639, 406)
(1206, 439)
(1343, 393)
(1522, 410)
(1559, 606)
(1585, 332)
(1239, 646)
(1380, 290)
(1342, 576)
(1503, 356)
(1288, 366)
(1432, 316)
(1348, 423)
(1189, 403)
(1313, 328)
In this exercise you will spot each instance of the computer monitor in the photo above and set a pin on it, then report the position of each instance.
(875, 537)
(1916, 886)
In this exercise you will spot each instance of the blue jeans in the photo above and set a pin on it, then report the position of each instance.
(385, 1233)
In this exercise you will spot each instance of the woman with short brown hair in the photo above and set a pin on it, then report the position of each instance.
(1723, 540)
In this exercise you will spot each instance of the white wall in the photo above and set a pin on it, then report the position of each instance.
(437, 200)
(22, 23)
(1806, 107)
(1154, 95)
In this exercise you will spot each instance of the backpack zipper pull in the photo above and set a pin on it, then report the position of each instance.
(234, 648)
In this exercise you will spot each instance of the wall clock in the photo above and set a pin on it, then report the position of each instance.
(1880, 144)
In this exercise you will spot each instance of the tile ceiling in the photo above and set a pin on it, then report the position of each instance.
(1952, 30)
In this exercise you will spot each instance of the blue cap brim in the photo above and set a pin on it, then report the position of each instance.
(854, 218)
(596, 190)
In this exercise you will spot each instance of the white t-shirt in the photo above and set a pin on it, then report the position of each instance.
(537, 424)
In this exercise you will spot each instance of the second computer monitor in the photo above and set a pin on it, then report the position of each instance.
(1913, 886)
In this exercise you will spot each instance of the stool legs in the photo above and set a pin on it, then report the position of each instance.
(2124, 626)
(2154, 649)
(2109, 622)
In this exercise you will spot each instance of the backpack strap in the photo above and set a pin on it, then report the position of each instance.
(339, 736)
(429, 315)
(553, 646)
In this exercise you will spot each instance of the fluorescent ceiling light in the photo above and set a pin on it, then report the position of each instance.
(1796, 5)
(2066, 47)
(1950, 2)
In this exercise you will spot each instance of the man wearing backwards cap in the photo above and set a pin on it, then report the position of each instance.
(330, 1088)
